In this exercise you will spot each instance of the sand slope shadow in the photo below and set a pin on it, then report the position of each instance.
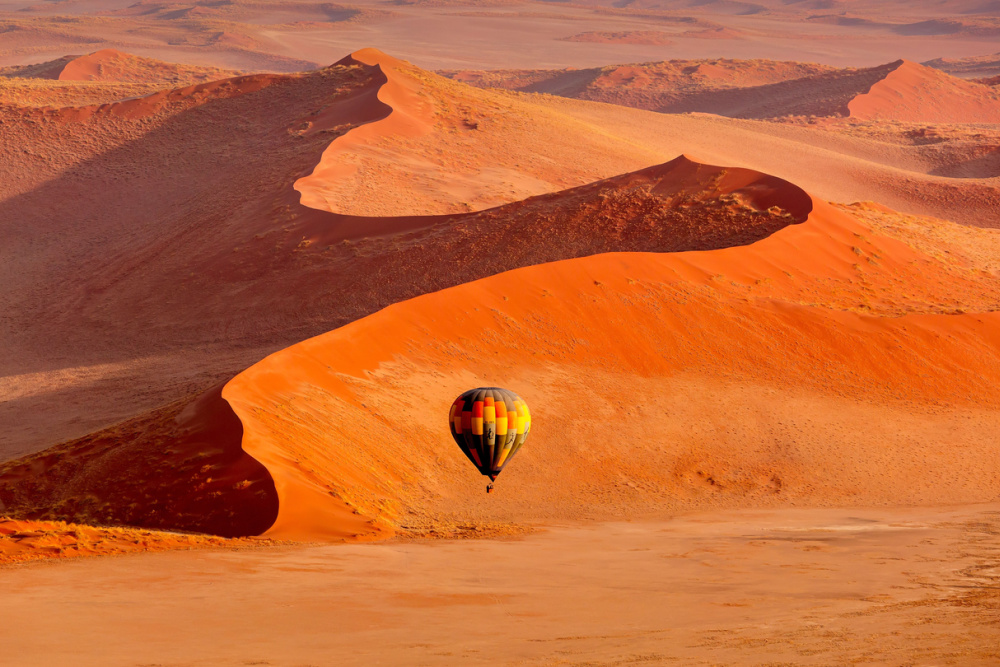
(180, 468)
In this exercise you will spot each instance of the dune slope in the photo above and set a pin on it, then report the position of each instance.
(179, 468)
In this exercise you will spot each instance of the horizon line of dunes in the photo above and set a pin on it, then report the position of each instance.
(901, 90)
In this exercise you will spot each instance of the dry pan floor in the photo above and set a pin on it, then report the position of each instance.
(879, 586)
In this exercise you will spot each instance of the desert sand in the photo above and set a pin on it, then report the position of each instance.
(804, 587)
(746, 277)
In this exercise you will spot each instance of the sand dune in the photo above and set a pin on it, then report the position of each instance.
(674, 207)
(454, 160)
(968, 68)
(672, 85)
(143, 215)
(101, 77)
(751, 294)
(178, 468)
(773, 344)
(445, 147)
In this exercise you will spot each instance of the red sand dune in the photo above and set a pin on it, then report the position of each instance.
(160, 277)
(730, 376)
(674, 207)
(113, 65)
(673, 85)
(444, 147)
(184, 289)
(187, 284)
(477, 149)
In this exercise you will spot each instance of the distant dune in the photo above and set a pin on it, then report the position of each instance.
(916, 93)
(657, 86)
(968, 68)
(901, 90)
(110, 65)
(98, 78)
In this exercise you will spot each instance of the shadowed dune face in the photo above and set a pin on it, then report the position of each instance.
(181, 468)
(152, 220)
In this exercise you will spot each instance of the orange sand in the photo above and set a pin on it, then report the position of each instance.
(690, 337)
(803, 587)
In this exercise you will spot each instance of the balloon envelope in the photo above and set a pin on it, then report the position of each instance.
(490, 424)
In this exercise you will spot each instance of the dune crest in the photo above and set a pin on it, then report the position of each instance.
(441, 147)
(731, 358)
(401, 112)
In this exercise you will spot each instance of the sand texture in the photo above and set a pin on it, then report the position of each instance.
(803, 587)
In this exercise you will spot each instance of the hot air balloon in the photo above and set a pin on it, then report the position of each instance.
(489, 424)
